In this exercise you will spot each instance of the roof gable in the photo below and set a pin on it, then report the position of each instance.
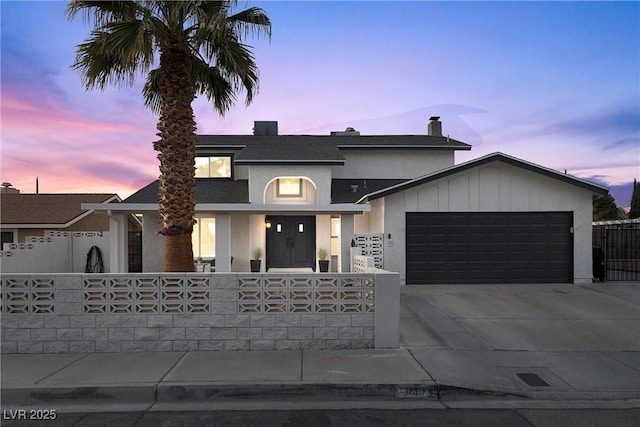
(500, 157)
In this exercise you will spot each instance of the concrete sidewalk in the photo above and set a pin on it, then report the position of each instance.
(141, 379)
(283, 379)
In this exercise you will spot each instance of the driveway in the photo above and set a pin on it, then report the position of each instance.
(541, 340)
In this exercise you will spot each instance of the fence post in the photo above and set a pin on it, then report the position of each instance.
(387, 311)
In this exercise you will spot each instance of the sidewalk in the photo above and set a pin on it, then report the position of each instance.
(367, 378)
(147, 378)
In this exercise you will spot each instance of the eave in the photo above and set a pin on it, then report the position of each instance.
(338, 208)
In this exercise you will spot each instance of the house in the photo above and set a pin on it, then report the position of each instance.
(30, 221)
(402, 197)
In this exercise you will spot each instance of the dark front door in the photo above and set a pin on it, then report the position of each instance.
(291, 241)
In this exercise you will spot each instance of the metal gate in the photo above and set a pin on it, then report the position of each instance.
(135, 251)
(616, 250)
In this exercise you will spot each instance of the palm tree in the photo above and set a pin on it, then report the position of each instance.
(201, 52)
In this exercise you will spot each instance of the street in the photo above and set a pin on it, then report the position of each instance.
(352, 417)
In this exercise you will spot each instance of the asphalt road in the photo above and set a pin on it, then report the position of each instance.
(352, 417)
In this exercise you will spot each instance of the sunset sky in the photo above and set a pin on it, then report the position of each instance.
(554, 83)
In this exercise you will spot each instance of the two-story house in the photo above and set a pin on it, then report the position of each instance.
(493, 219)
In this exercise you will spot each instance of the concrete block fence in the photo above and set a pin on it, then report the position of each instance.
(86, 313)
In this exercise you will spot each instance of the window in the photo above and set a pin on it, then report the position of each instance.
(213, 167)
(335, 236)
(289, 187)
(203, 239)
(7, 237)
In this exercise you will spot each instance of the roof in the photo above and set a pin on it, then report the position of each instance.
(208, 190)
(352, 190)
(290, 150)
(376, 142)
(500, 157)
(47, 209)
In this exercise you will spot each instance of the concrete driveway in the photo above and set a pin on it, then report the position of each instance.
(534, 340)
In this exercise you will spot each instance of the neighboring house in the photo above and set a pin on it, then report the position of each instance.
(493, 219)
(33, 219)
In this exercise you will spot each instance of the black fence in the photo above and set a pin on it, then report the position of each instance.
(616, 251)
(135, 252)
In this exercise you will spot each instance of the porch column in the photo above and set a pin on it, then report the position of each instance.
(118, 244)
(346, 235)
(223, 242)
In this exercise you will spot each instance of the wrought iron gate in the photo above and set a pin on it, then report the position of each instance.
(616, 250)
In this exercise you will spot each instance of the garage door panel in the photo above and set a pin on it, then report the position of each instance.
(489, 247)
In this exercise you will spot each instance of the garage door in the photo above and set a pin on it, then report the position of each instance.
(489, 247)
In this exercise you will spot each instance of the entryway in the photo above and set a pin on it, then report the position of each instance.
(291, 241)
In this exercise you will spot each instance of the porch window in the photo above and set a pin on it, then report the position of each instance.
(289, 187)
(213, 167)
(203, 238)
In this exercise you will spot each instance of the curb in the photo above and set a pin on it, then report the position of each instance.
(198, 393)
(102, 395)
(209, 392)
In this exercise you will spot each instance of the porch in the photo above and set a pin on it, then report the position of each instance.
(230, 234)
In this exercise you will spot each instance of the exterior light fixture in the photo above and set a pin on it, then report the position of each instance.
(267, 224)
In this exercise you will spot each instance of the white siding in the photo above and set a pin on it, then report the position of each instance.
(489, 188)
(392, 164)
(261, 176)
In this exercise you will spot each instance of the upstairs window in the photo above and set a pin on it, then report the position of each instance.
(213, 167)
(289, 187)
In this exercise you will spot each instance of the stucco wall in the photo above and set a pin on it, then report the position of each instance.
(240, 249)
(260, 176)
(389, 164)
(56, 252)
(93, 222)
(308, 196)
(152, 243)
(490, 188)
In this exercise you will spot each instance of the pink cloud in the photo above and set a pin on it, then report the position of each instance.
(72, 152)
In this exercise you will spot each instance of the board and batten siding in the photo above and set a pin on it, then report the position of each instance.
(494, 187)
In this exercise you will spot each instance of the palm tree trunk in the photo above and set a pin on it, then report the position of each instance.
(176, 149)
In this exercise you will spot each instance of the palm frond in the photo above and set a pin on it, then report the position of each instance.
(209, 81)
(128, 33)
(252, 21)
(150, 93)
(102, 12)
(114, 54)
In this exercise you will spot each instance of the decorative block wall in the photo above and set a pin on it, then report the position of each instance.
(71, 313)
(56, 252)
(372, 245)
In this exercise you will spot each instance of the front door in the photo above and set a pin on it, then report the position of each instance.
(291, 241)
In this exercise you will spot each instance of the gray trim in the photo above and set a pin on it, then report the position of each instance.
(336, 208)
(402, 147)
(289, 162)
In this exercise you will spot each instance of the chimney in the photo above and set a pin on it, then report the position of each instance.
(7, 188)
(347, 132)
(261, 128)
(435, 126)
